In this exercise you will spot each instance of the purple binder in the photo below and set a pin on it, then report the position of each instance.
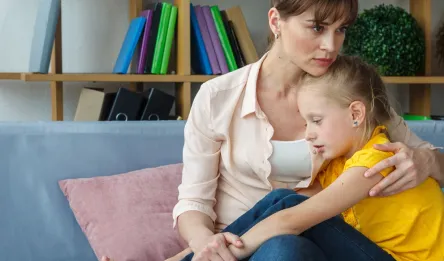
(207, 40)
(148, 14)
(215, 39)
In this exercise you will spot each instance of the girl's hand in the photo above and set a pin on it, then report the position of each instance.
(215, 247)
(412, 168)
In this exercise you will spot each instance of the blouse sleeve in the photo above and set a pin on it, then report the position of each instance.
(201, 154)
(399, 132)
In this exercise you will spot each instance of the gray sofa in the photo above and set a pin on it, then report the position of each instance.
(36, 223)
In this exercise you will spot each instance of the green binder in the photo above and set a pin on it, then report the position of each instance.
(161, 38)
(169, 40)
(226, 47)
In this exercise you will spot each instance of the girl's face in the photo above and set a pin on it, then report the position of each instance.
(310, 46)
(330, 128)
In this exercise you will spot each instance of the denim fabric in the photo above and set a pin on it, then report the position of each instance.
(332, 238)
(282, 248)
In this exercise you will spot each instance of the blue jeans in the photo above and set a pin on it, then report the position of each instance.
(332, 239)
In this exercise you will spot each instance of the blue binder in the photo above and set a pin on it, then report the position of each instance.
(44, 34)
(202, 64)
(129, 45)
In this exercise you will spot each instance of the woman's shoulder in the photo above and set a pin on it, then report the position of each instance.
(229, 81)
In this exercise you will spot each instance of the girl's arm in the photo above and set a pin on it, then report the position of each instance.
(350, 188)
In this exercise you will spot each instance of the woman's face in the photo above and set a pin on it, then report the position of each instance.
(309, 45)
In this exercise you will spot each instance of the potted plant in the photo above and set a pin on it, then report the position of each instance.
(389, 38)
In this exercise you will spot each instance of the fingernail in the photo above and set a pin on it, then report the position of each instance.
(366, 174)
(372, 193)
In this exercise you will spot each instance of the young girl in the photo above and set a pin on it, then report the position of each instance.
(345, 111)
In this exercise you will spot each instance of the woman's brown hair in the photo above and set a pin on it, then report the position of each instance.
(324, 9)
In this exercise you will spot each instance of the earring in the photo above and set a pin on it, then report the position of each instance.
(355, 123)
(276, 36)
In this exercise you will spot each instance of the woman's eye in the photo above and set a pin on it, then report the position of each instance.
(316, 121)
(343, 29)
(318, 28)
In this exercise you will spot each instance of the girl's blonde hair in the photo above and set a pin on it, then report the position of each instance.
(351, 79)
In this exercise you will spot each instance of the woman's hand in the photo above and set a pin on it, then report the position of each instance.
(215, 247)
(412, 168)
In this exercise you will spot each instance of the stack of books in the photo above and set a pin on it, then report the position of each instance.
(220, 40)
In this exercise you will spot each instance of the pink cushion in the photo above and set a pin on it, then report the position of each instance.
(128, 216)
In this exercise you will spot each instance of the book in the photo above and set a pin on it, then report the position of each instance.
(228, 52)
(148, 14)
(171, 29)
(161, 37)
(45, 27)
(215, 39)
(201, 65)
(207, 40)
(249, 52)
(234, 42)
(129, 45)
(153, 37)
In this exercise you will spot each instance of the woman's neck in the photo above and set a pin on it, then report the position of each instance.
(278, 73)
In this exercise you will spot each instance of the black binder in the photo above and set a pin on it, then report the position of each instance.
(126, 106)
(158, 105)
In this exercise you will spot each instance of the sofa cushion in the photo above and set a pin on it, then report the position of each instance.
(128, 216)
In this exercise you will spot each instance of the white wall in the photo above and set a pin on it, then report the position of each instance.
(92, 35)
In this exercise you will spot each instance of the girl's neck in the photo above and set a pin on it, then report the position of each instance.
(361, 138)
(278, 73)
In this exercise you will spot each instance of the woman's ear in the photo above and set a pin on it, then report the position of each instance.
(273, 21)
(357, 111)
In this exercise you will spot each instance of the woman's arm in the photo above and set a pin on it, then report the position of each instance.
(350, 188)
(415, 160)
(194, 212)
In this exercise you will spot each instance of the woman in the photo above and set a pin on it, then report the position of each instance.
(243, 139)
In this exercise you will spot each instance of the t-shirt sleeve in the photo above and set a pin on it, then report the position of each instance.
(368, 158)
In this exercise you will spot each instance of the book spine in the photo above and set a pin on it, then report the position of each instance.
(153, 37)
(202, 64)
(44, 34)
(169, 40)
(148, 14)
(223, 38)
(215, 39)
(207, 40)
(161, 37)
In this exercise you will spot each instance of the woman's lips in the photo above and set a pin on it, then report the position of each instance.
(324, 62)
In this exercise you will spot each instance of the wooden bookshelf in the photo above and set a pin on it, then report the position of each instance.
(413, 80)
(419, 93)
(10, 76)
(108, 77)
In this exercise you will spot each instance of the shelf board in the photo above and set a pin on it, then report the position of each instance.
(10, 76)
(109, 77)
(414, 79)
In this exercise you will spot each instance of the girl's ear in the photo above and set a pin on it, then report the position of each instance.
(273, 20)
(357, 111)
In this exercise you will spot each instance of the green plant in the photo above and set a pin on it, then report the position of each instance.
(389, 38)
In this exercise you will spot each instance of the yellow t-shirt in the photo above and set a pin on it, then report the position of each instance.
(408, 225)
